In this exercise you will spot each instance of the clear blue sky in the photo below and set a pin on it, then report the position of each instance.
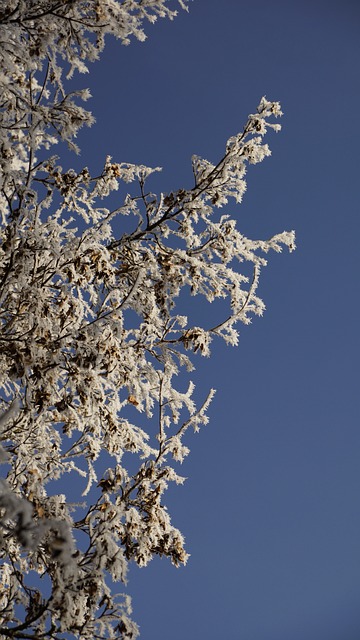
(271, 509)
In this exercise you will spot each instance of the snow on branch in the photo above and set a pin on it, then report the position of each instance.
(92, 336)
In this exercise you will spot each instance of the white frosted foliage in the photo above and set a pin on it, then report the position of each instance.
(94, 349)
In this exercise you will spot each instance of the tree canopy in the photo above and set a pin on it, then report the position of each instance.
(90, 326)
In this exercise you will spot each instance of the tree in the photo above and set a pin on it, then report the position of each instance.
(89, 326)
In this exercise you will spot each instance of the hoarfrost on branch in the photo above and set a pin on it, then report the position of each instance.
(71, 362)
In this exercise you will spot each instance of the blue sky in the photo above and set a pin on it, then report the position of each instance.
(271, 509)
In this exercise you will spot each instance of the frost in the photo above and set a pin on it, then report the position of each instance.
(92, 342)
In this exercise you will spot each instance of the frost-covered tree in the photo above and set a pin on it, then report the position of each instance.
(90, 326)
